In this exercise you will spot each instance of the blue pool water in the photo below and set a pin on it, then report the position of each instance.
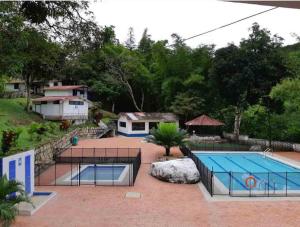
(100, 172)
(268, 173)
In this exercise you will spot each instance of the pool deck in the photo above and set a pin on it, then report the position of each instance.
(159, 204)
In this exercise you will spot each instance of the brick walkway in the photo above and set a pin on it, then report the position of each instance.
(161, 204)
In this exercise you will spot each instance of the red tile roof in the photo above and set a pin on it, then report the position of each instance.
(70, 87)
(204, 120)
(55, 98)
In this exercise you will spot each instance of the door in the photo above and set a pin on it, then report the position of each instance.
(12, 170)
(12, 173)
(28, 174)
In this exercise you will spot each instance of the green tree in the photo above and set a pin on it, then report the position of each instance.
(130, 42)
(186, 105)
(288, 92)
(11, 194)
(167, 135)
(126, 68)
(242, 75)
(3, 81)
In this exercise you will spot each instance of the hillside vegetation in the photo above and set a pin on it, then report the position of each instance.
(14, 116)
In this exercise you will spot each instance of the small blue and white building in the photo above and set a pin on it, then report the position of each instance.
(139, 124)
(19, 167)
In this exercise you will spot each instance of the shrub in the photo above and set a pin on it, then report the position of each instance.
(167, 135)
(8, 208)
(9, 139)
(65, 125)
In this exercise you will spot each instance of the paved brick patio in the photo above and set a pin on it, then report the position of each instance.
(161, 204)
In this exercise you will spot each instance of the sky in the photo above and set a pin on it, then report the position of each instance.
(190, 17)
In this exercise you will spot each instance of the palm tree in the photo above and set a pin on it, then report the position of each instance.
(167, 135)
(11, 193)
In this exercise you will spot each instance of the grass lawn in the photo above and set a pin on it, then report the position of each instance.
(13, 114)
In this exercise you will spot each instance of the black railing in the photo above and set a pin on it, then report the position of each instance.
(213, 146)
(93, 166)
(246, 184)
(206, 176)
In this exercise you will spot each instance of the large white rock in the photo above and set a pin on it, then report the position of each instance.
(182, 171)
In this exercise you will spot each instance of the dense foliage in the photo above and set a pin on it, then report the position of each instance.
(41, 40)
(11, 193)
(167, 135)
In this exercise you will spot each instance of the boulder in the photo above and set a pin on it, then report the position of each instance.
(255, 148)
(183, 171)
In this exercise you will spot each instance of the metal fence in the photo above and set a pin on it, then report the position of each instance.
(90, 166)
(258, 184)
(246, 184)
(206, 176)
(212, 146)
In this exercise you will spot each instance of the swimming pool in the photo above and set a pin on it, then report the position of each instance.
(96, 174)
(244, 171)
(91, 173)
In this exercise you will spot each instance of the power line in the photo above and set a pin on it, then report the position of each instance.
(226, 25)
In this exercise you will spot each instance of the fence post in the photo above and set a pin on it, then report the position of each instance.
(229, 184)
(79, 174)
(211, 181)
(286, 183)
(268, 184)
(55, 173)
(95, 166)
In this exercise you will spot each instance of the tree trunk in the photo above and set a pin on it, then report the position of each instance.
(168, 151)
(130, 90)
(113, 107)
(28, 95)
(237, 123)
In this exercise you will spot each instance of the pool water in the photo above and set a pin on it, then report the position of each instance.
(268, 173)
(91, 173)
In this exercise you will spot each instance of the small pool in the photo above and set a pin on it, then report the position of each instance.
(233, 170)
(100, 173)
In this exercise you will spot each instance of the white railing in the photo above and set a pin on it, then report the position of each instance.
(267, 151)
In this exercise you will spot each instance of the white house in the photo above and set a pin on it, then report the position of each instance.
(72, 90)
(15, 85)
(139, 124)
(37, 87)
(19, 167)
(63, 103)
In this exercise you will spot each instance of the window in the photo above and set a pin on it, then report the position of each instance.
(81, 92)
(74, 92)
(43, 102)
(76, 103)
(122, 124)
(55, 83)
(153, 125)
(138, 126)
(16, 86)
(56, 102)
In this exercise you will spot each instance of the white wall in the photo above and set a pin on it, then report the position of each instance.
(73, 110)
(59, 93)
(123, 129)
(10, 87)
(20, 167)
(128, 129)
(51, 83)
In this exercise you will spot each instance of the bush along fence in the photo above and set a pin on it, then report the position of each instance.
(91, 166)
(246, 184)
(206, 176)
(263, 143)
